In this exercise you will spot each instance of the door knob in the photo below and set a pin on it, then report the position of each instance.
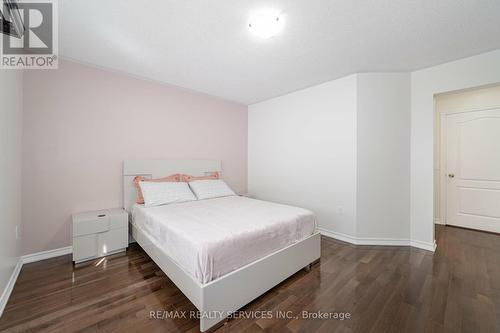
(451, 175)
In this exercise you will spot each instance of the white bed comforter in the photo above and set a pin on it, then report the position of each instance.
(210, 238)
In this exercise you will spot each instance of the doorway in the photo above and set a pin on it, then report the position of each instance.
(467, 168)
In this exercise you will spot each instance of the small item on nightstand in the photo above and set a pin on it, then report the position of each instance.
(99, 233)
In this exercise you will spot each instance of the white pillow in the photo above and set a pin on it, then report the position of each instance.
(210, 188)
(162, 193)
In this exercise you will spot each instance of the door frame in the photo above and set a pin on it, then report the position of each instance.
(443, 185)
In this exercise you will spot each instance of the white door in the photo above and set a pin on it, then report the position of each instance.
(473, 170)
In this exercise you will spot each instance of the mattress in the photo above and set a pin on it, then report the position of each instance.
(210, 238)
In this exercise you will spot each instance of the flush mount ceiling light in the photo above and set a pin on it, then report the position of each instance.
(266, 23)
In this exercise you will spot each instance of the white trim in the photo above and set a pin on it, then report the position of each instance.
(26, 259)
(337, 235)
(377, 241)
(424, 245)
(443, 188)
(439, 221)
(469, 110)
(10, 286)
(33, 257)
(364, 240)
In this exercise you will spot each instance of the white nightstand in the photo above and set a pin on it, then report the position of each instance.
(99, 233)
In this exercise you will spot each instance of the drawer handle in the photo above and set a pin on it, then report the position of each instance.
(101, 215)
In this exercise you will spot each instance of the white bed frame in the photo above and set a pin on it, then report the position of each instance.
(217, 299)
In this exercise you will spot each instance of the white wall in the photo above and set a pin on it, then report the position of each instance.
(456, 101)
(341, 149)
(383, 156)
(467, 73)
(10, 169)
(302, 151)
(286, 142)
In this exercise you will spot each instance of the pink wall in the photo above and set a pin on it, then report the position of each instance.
(80, 123)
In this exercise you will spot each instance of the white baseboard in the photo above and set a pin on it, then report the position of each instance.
(337, 235)
(377, 241)
(28, 258)
(424, 245)
(10, 286)
(439, 221)
(364, 240)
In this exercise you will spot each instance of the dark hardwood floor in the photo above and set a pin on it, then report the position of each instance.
(384, 289)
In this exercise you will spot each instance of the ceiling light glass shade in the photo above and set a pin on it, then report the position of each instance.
(266, 23)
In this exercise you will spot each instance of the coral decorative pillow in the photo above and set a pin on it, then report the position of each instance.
(140, 198)
(189, 178)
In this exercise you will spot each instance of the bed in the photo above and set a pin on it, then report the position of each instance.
(224, 252)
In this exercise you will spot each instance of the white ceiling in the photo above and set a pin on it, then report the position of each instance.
(206, 46)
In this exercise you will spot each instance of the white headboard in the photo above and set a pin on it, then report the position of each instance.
(158, 169)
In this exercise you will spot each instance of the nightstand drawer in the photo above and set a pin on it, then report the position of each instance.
(91, 226)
